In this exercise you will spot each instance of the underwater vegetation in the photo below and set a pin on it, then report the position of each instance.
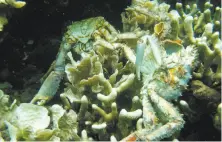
(124, 85)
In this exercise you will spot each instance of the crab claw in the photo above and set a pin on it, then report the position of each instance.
(152, 44)
(139, 56)
(16, 3)
(48, 88)
(40, 99)
(174, 120)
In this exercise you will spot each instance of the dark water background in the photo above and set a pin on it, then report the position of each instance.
(43, 22)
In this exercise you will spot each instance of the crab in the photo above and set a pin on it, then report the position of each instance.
(79, 34)
(165, 74)
(166, 68)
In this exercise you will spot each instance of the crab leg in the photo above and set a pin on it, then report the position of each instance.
(174, 120)
(51, 68)
(48, 88)
(51, 83)
(150, 120)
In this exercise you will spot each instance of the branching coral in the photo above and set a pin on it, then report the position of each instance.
(100, 92)
(80, 33)
(217, 118)
(199, 29)
(24, 121)
(202, 30)
(147, 13)
(27, 121)
(166, 68)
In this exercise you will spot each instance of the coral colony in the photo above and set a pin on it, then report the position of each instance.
(123, 84)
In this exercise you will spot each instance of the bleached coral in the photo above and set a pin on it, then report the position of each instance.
(101, 81)
(27, 121)
(147, 13)
(24, 121)
(202, 30)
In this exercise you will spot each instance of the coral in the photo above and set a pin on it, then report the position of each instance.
(80, 33)
(64, 123)
(203, 92)
(24, 121)
(27, 121)
(13, 3)
(146, 13)
(201, 29)
(67, 125)
(165, 65)
(125, 120)
(6, 106)
(3, 21)
(217, 118)
(92, 90)
(192, 115)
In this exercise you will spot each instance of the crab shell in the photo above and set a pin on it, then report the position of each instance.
(83, 30)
